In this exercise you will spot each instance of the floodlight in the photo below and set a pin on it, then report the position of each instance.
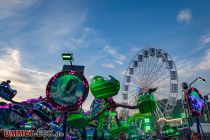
(67, 56)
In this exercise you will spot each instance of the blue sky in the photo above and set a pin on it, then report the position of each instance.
(103, 35)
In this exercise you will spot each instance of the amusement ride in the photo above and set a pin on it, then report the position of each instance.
(149, 94)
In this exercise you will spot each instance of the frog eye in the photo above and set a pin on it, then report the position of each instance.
(99, 78)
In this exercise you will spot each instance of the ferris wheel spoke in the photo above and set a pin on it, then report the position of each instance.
(159, 112)
(157, 68)
(158, 94)
(132, 101)
(145, 70)
(162, 85)
(160, 81)
(152, 68)
(133, 92)
(141, 70)
(162, 104)
(145, 80)
(147, 65)
(154, 64)
(136, 82)
(138, 79)
(155, 72)
(148, 69)
(163, 71)
(162, 107)
(163, 77)
(160, 75)
(134, 86)
(132, 95)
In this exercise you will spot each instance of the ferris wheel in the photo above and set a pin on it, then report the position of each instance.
(151, 68)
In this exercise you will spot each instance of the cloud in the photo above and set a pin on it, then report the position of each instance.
(88, 37)
(54, 26)
(118, 58)
(135, 49)
(30, 83)
(10, 8)
(35, 71)
(107, 65)
(184, 16)
(205, 39)
(186, 68)
(189, 68)
(205, 63)
(119, 62)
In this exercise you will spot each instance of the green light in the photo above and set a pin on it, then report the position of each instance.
(112, 114)
(183, 115)
(147, 128)
(195, 94)
(147, 120)
(67, 56)
(29, 122)
(26, 126)
(172, 132)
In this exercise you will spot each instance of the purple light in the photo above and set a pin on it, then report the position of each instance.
(4, 107)
(195, 102)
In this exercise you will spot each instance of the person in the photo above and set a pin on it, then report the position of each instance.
(196, 136)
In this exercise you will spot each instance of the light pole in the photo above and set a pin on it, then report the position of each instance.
(66, 57)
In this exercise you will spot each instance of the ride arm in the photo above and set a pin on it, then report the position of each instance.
(112, 106)
(162, 120)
